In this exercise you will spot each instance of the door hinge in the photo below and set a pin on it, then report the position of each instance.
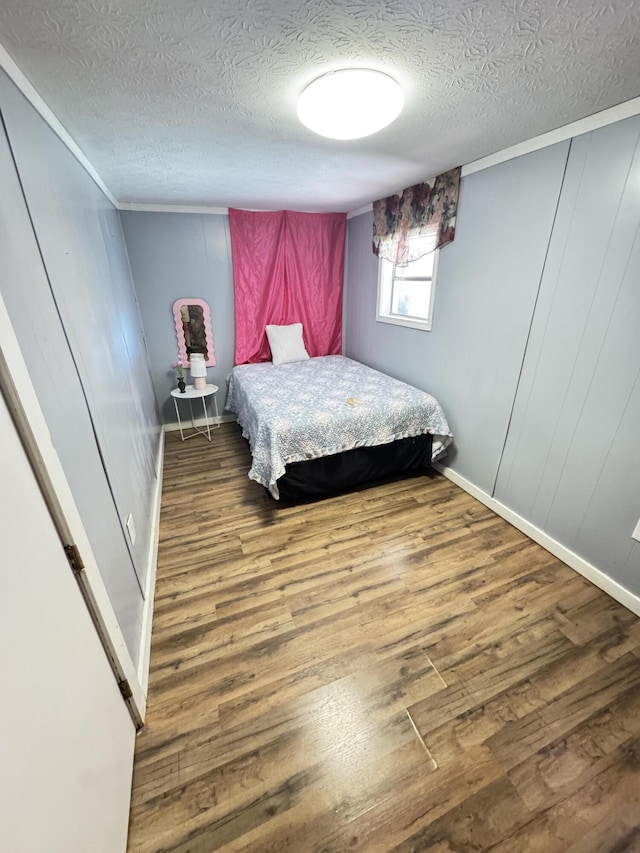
(75, 560)
(125, 689)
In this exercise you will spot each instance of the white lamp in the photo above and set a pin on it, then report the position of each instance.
(350, 103)
(198, 370)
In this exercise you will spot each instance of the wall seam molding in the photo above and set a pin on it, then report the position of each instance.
(65, 331)
(593, 574)
(531, 322)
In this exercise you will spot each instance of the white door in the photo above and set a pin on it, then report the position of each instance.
(66, 736)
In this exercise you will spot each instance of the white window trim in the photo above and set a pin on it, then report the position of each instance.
(397, 319)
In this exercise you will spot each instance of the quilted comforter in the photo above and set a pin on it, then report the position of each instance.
(322, 406)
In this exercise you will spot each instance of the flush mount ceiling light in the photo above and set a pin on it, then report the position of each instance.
(351, 103)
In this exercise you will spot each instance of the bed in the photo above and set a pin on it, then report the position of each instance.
(322, 424)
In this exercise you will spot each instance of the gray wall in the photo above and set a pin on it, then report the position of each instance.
(176, 255)
(572, 459)
(485, 291)
(557, 444)
(63, 256)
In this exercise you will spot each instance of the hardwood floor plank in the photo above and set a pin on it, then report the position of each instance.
(475, 824)
(582, 622)
(584, 809)
(415, 806)
(274, 691)
(394, 668)
(568, 759)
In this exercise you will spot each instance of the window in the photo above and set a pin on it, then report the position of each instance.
(406, 293)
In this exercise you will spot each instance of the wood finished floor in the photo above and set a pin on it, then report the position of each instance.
(394, 669)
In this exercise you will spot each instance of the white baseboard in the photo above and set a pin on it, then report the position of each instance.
(152, 568)
(620, 593)
(200, 422)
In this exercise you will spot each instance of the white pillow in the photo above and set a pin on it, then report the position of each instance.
(286, 343)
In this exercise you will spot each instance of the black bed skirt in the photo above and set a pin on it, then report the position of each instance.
(329, 474)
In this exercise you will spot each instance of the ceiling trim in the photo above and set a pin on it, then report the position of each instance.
(360, 211)
(16, 75)
(626, 109)
(171, 208)
(567, 131)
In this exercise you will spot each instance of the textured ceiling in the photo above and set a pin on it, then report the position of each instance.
(182, 102)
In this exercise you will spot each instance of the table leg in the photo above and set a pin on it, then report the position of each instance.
(206, 417)
(175, 403)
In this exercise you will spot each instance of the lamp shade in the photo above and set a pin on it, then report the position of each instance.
(350, 103)
(197, 365)
(198, 371)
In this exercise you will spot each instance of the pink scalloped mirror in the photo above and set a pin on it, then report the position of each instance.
(192, 318)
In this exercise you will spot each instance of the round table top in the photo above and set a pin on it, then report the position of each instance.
(191, 392)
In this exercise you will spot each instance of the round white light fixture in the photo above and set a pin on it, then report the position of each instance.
(350, 103)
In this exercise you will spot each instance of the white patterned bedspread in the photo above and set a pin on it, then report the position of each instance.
(321, 406)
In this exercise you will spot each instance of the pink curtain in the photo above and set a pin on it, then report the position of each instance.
(287, 268)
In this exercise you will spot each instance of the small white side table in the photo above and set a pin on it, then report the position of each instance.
(192, 394)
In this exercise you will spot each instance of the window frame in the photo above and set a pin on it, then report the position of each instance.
(386, 280)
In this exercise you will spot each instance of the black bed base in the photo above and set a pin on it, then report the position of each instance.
(329, 474)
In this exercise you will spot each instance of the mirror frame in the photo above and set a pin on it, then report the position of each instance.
(182, 344)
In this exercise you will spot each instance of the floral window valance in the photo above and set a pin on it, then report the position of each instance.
(408, 226)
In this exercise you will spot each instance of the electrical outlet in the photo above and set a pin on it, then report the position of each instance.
(636, 533)
(131, 528)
